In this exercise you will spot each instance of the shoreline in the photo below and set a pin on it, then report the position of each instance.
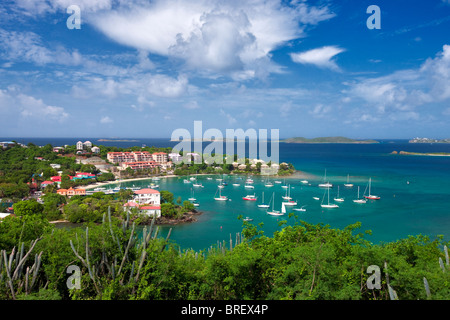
(295, 175)
(407, 153)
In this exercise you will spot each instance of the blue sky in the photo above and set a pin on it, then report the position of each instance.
(145, 68)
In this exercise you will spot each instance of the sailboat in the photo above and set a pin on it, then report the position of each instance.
(192, 197)
(275, 212)
(371, 196)
(325, 184)
(358, 200)
(287, 197)
(290, 203)
(284, 186)
(337, 198)
(268, 184)
(221, 197)
(329, 205)
(250, 197)
(263, 205)
(348, 184)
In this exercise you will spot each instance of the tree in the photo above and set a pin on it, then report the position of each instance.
(168, 210)
(188, 206)
(28, 207)
(166, 196)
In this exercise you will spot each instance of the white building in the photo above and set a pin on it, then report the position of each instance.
(194, 156)
(175, 157)
(80, 145)
(146, 201)
(147, 196)
(87, 144)
(95, 149)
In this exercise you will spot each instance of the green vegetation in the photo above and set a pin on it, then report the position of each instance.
(184, 169)
(301, 261)
(326, 140)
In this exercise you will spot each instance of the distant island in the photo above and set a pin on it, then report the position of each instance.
(326, 140)
(117, 140)
(427, 140)
(442, 154)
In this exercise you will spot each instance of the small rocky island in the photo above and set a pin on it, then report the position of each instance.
(326, 140)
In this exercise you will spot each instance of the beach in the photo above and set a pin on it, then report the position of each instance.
(295, 175)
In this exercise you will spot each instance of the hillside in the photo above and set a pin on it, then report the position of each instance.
(326, 140)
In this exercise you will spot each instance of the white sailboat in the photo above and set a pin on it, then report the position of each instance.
(275, 212)
(268, 184)
(359, 200)
(371, 196)
(263, 205)
(338, 199)
(348, 184)
(328, 205)
(192, 198)
(221, 197)
(287, 196)
(325, 184)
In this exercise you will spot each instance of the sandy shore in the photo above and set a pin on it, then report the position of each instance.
(101, 184)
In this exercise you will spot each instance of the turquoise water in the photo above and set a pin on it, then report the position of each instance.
(414, 193)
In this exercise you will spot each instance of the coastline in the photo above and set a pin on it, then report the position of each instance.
(295, 175)
(406, 153)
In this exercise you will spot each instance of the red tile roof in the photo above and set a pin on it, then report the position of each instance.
(150, 208)
(146, 191)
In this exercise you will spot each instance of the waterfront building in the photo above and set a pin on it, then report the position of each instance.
(147, 196)
(147, 201)
(80, 145)
(119, 157)
(160, 157)
(135, 165)
(71, 192)
(175, 157)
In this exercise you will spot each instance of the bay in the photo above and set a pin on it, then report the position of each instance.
(414, 191)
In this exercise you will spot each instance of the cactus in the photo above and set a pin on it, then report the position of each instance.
(446, 255)
(427, 287)
(441, 264)
(13, 265)
(392, 293)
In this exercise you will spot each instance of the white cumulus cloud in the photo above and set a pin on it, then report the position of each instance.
(320, 57)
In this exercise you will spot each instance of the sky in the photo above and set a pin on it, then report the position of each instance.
(146, 68)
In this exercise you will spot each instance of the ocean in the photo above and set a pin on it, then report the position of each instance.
(414, 191)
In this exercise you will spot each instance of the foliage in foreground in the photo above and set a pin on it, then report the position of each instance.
(301, 261)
